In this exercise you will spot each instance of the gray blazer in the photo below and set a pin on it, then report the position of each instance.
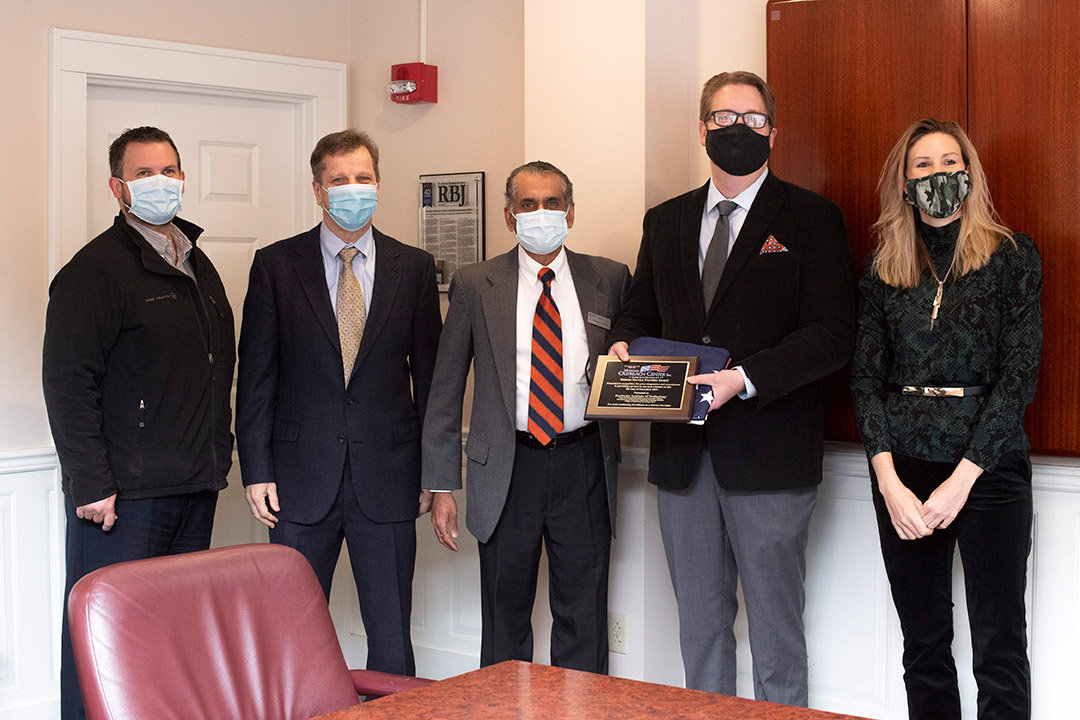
(480, 329)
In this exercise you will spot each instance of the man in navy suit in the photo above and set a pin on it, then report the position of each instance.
(341, 324)
(762, 268)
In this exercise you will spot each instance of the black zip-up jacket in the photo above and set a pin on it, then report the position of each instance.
(137, 370)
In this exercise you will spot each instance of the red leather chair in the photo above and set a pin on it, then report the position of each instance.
(238, 632)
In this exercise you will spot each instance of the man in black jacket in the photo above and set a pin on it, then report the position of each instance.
(760, 267)
(137, 369)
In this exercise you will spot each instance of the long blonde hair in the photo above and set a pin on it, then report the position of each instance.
(900, 257)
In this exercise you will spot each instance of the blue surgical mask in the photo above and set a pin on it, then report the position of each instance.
(155, 199)
(541, 231)
(352, 206)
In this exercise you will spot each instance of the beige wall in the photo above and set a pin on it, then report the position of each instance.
(477, 122)
(605, 90)
(687, 42)
(742, 26)
(584, 111)
(477, 125)
(315, 29)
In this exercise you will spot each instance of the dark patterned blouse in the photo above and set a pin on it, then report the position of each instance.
(988, 332)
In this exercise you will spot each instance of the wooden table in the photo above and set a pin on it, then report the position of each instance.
(526, 691)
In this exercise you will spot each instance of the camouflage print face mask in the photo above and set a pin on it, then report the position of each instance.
(939, 195)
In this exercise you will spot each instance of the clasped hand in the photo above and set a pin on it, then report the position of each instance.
(913, 519)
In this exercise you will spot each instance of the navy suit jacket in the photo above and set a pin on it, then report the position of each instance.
(787, 317)
(297, 420)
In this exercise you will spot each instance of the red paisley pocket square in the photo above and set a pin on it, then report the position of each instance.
(772, 245)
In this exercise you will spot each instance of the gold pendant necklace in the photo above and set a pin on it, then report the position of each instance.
(940, 287)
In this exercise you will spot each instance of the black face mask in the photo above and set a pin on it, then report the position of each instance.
(736, 149)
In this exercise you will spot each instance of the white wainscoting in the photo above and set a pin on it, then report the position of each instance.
(31, 584)
(852, 632)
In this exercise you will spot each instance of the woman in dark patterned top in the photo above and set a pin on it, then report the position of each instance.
(946, 360)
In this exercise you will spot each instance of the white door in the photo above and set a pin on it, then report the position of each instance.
(240, 186)
(244, 123)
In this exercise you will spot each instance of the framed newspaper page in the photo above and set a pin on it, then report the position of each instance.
(452, 221)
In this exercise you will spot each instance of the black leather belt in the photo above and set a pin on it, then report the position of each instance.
(567, 438)
(923, 391)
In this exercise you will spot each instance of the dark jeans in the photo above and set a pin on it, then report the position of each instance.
(144, 528)
(993, 532)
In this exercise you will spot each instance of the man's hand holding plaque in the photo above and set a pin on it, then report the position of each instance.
(715, 384)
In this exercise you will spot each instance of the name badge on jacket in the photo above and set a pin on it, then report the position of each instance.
(599, 320)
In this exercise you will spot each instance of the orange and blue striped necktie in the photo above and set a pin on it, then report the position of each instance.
(546, 376)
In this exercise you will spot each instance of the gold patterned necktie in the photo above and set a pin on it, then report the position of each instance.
(351, 311)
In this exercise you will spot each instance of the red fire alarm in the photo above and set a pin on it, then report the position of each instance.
(414, 82)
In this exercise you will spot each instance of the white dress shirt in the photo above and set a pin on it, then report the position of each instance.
(575, 341)
(709, 216)
(736, 218)
(363, 263)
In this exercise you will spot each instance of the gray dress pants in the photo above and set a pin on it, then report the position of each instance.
(712, 538)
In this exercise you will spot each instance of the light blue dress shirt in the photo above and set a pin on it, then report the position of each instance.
(363, 264)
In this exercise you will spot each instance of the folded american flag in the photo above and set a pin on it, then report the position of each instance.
(710, 359)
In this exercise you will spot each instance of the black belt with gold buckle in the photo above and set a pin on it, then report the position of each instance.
(567, 438)
(937, 392)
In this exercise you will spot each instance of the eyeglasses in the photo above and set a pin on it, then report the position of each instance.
(727, 118)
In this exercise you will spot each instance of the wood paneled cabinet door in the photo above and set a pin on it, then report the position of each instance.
(850, 76)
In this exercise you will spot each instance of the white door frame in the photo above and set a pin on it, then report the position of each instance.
(317, 89)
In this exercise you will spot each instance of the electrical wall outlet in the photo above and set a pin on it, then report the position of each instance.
(616, 623)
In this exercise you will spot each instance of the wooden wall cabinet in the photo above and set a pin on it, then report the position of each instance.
(851, 75)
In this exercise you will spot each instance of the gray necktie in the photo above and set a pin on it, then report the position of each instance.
(716, 255)
(351, 311)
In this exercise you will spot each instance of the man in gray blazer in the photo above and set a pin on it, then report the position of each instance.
(531, 323)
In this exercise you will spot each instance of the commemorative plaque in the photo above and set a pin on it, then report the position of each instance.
(642, 388)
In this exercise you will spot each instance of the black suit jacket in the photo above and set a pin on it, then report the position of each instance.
(295, 417)
(787, 317)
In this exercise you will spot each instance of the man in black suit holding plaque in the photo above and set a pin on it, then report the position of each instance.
(762, 268)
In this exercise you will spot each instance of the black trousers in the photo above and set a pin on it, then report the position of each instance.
(144, 528)
(558, 498)
(993, 532)
(383, 558)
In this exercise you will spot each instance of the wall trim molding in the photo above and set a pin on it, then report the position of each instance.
(28, 460)
(31, 581)
(848, 461)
